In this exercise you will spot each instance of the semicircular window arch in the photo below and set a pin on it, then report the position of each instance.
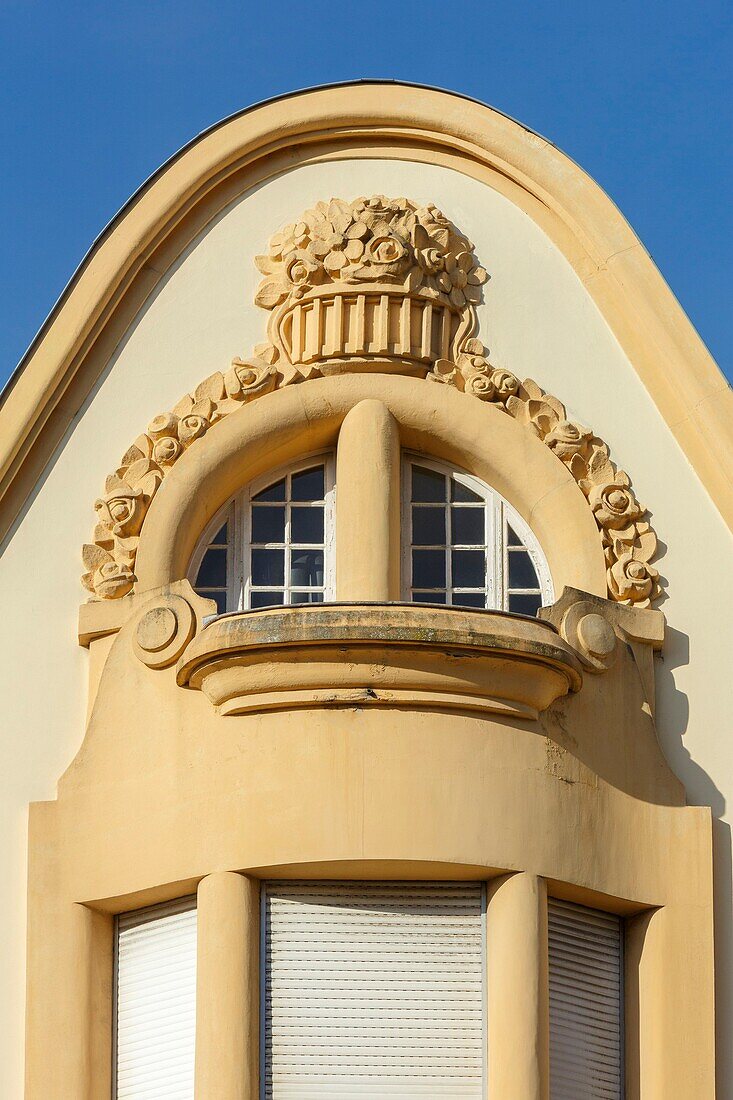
(273, 543)
(464, 545)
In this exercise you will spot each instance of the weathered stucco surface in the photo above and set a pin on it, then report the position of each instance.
(537, 320)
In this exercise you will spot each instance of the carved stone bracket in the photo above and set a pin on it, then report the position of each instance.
(373, 285)
(595, 628)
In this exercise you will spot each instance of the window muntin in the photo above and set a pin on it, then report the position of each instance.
(273, 544)
(464, 545)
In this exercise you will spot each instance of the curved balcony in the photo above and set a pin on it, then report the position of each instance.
(390, 655)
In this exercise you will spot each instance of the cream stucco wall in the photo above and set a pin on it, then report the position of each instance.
(538, 320)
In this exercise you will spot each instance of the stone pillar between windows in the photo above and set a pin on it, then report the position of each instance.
(368, 505)
(227, 988)
(518, 1002)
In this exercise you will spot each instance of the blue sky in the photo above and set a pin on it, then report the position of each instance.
(95, 96)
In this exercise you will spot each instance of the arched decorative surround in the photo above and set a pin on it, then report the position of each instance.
(65, 360)
(275, 430)
(375, 285)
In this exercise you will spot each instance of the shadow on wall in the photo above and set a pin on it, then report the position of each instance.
(702, 791)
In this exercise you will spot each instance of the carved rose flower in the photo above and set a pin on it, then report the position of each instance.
(474, 364)
(166, 450)
(122, 511)
(435, 217)
(249, 378)
(568, 438)
(387, 251)
(430, 259)
(112, 580)
(481, 386)
(505, 382)
(162, 425)
(302, 268)
(631, 581)
(614, 505)
(191, 427)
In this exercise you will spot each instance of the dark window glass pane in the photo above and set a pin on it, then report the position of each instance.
(221, 601)
(308, 484)
(272, 492)
(219, 597)
(468, 526)
(521, 570)
(428, 569)
(462, 492)
(306, 568)
(428, 526)
(268, 567)
(427, 485)
(469, 599)
(213, 570)
(268, 523)
(428, 597)
(306, 597)
(524, 604)
(469, 568)
(265, 599)
(222, 537)
(512, 537)
(306, 525)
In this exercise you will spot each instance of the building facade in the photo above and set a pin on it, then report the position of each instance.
(381, 749)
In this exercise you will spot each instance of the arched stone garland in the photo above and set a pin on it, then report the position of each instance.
(351, 285)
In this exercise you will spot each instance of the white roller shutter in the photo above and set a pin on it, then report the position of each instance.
(586, 995)
(156, 1003)
(373, 990)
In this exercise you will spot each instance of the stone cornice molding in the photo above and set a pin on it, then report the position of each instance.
(59, 370)
(374, 285)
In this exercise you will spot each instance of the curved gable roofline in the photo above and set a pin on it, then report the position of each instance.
(49, 385)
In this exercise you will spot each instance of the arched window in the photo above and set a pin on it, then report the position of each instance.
(272, 544)
(463, 544)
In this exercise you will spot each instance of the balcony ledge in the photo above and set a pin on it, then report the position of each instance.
(393, 655)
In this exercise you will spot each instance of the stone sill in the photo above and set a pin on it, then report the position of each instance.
(411, 655)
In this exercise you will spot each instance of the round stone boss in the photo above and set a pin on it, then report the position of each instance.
(163, 631)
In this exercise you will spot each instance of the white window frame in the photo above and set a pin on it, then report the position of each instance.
(237, 512)
(498, 513)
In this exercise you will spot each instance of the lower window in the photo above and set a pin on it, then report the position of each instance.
(155, 1003)
(586, 1003)
(373, 989)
